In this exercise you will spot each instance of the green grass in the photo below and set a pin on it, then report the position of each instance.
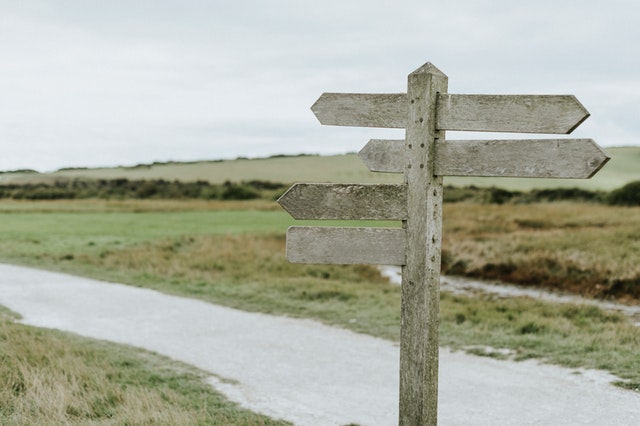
(50, 377)
(583, 248)
(49, 238)
(565, 334)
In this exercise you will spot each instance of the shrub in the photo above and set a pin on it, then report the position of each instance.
(628, 195)
(233, 191)
(563, 194)
(499, 196)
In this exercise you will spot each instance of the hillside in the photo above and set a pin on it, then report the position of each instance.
(623, 167)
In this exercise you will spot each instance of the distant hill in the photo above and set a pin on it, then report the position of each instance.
(623, 167)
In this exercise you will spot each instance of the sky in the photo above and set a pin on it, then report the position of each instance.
(88, 83)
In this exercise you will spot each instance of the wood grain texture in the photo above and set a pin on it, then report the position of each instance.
(510, 113)
(361, 110)
(526, 158)
(325, 244)
(555, 114)
(346, 201)
(421, 274)
(383, 155)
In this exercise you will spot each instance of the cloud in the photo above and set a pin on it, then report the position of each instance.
(89, 83)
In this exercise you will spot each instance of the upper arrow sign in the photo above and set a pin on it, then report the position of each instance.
(510, 113)
(483, 113)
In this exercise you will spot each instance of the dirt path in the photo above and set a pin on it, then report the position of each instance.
(306, 372)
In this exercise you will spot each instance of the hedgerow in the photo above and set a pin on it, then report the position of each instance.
(141, 189)
(628, 195)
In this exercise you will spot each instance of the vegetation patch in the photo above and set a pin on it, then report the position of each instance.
(566, 334)
(628, 195)
(50, 377)
(580, 248)
(121, 188)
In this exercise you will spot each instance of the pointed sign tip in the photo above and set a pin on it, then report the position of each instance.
(315, 107)
(386, 156)
(579, 107)
(282, 201)
(429, 68)
(599, 161)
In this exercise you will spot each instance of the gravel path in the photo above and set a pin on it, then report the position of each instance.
(305, 372)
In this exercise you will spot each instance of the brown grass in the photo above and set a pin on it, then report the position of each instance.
(583, 248)
(53, 378)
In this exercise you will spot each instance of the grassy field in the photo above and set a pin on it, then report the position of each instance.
(621, 169)
(583, 248)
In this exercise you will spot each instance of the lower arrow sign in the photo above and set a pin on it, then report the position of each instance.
(375, 246)
(544, 158)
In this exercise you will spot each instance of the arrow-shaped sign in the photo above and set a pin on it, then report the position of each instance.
(325, 244)
(544, 158)
(483, 113)
(362, 110)
(345, 201)
(384, 155)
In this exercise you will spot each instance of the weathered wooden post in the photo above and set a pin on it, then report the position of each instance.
(425, 156)
(421, 273)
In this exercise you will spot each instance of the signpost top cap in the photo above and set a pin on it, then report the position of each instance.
(429, 68)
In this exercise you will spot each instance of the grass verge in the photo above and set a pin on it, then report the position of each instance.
(50, 377)
(574, 336)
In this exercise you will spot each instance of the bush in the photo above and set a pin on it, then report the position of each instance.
(234, 191)
(499, 196)
(564, 194)
(140, 189)
(628, 195)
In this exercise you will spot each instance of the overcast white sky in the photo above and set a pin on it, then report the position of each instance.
(122, 82)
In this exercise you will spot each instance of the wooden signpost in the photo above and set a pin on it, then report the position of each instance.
(426, 111)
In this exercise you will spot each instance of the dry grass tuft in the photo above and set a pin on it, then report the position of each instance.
(587, 249)
(49, 377)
